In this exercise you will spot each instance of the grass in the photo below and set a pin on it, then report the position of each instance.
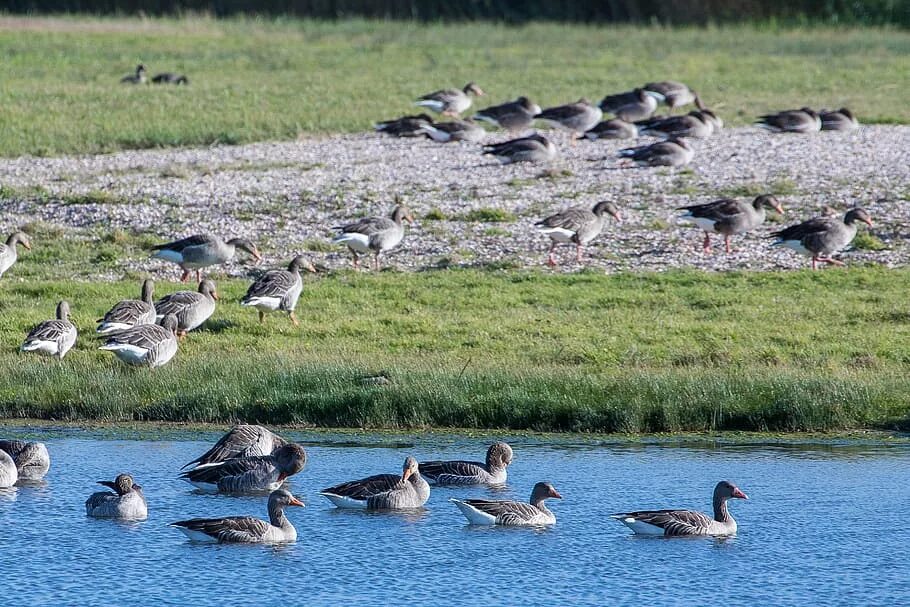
(280, 78)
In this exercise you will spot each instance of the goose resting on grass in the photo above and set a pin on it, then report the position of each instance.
(804, 120)
(509, 513)
(9, 253)
(246, 529)
(534, 148)
(686, 522)
(450, 102)
(192, 308)
(675, 94)
(822, 237)
(170, 78)
(576, 225)
(693, 124)
(31, 458)
(513, 116)
(139, 77)
(630, 106)
(729, 217)
(128, 313)
(201, 251)
(838, 120)
(406, 126)
(52, 337)
(374, 234)
(126, 503)
(491, 472)
(249, 474)
(455, 130)
(672, 152)
(243, 440)
(383, 491)
(145, 345)
(278, 290)
(613, 128)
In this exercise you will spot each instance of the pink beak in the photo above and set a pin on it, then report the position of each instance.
(740, 494)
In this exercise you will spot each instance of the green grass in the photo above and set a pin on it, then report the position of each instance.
(256, 79)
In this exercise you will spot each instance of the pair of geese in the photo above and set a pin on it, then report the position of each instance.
(22, 461)
(807, 120)
(140, 76)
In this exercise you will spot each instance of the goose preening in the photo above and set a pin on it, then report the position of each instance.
(575, 117)
(126, 502)
(31, 458)
(128, 313)
(450, 102)
(614, 128)
(170, 78)
(243, 440)
(192, 308)
(246, 529)
(534, 148)
(630, 106)
(201, 251)
(509, 513)
(374, 234)
(406, 126)
(145, 345)
(804, 120)
(490, 472)
(822, 237)
(694, 124)
(672, 152)
(9, 474)
(456, 130)
(9, 252)
(577, 225)
(513, 116)
(52, 337)
(138, 77)
(675, 94)
(838, 120)
(383, 491)
(686, 522)
(728, 217)
(278, 290)
(251, 474)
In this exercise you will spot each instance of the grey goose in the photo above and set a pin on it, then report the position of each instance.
(138, 77)
(450, 102)
(838, 120)
(9, 252)
(278, 290)
(675, 94)
(125, 503)
(192, 308)
(576, 117)
(822, 237)
(52, 337)
(510, 513)
(490, 472)
(406, 126)
(170, 78)
(145, 345)
(693, 124)
(246, 529)
(804, 120)
(672, 152)
(249, 474)
(686, 522)
(534, 148)
(455, 130)
(728, 217)
(374, 234)
(513, 116)
(9, 474)
(383, 491)
(128, 313)
(576, 225)
(201, 251)
(614, 128)
(630, 106)
(243, 440)
(31, 458)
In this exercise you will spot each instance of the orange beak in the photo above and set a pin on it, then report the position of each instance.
(779, 209)
(27, 246)
(555, 493)
(740, 494)
(215, 295)
(868, 222)
(311, 268)
(296, 502)
(406, 474)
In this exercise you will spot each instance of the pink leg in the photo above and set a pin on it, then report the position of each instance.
(706, 245)
(727, 244)
(198, 275)
(356, 261)
(376, 262)
(578, 252)
(550, 260)
(814, 262)
(186, 275)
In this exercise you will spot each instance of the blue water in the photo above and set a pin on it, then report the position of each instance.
(825, 524)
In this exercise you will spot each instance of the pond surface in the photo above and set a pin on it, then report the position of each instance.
(825, 524)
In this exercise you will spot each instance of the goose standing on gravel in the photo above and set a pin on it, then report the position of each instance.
(145, 345)
(406, 126)
(509, 513)
(686, 522)
(383, 491)
(513, 116)
(9, 474)
(249, 474)
(576, 225)
(672, 152)
(805, 120)
(456, 130)
(278, 290)
(675, 94)
(192, 308)
(374, 234)
(492, 472)
(126, 503)
(246, 529)
(822, 237)
(52, 337)
(576, 117)
(613, 128)
(170, 78)
(535, 148)
(450, 102)
(31, 458)
(201, 251)
(838, 120)
(139, 77)
(9, 253)
(729, 217)
(631, 106)
(128, 313)
(243, 440)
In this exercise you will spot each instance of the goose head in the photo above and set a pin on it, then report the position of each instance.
(301, 262)
(543, 491)
(170, 323)
(63, 310)
(768, 201)
(402, 213)
(290, 459)
(410, 469)
(279, 499)
(246, 245)
(122, 485)
(18, 238)
(858, 214)
(148, 290)
(207, 288)
(472, 89)
(499, 455)
(605, 206)
(726, 490)
(140, 69)
(680, 142)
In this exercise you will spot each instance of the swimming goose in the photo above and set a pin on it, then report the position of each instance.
(374, 234)
(52, 337)
(535, 148)
(576, 117)
(632, 105)
(170, 78)
(145, 345)
(450, 102)
(9, 253)
(192, 308)
(278, 289)
(202, 250)
(613, 128)
(821, 237)
(128, 313)
(728, 217)
(693, 124)
(805, 120)
(513, 116)
(456, 130)
(9, 475)
(32, 459)
(493, 472)
(126, 503)
(576, 225)
(511, 514)
(246, 529)
(686, 522)
(838, 120)
(383, 491)
(406, 126)
(672, 152)
(138, 78)
(243, 440)
(675, 94)
(249, 474)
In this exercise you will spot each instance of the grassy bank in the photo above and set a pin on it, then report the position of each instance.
(681, 351)
(253, 80)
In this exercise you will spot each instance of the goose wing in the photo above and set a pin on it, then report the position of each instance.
(673, 522)
(806, 230)
(368, 225)
(443, 471)
(571, 219)
(141, 336)
(50, 330)
(127, 311)
(175, 303)
(443, 96)
(719, 209)
(239, 467)
(274, 283)
(195, 240)
(243, 440)
(229, 529)
(505, 512)
(367, 487)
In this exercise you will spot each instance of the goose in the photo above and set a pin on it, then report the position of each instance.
(613, 128)
(456, 130)
(450, 102)
(576, 225)
(202, 250)
(638, 104)
(128, 313)
(693, 124)
(509, 513)
(246, 529)
(250, 474)
(9, 253)
(192, 308)
(805, 120)
(728, 217)
(374, 234)
(535, 148)
(138, 78)
(126, 503)
(838, 120)
(9, 474)
(243, 440)
(576, 117)
(52, 337)
(406, 126)
(712, 117)
(492, 472)
(31, 458)
(821, 237)
(170, 78)
(672, 152)
(686, 522)
(145, 345)
(675, 94)
(278, 289)
(513, 116)
(383, 491)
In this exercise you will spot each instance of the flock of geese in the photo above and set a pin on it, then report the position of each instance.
(250, 459)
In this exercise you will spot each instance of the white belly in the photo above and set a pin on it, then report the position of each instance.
(167, 255)
(474, 516)
(49, 348)
(796, 245)
(558, 234)
(265, 304)
(107, 328)
(354, 241)
(128, 353)
(433, 104)
(641, 528)
(704, 223)
(346, 502)
(198, 536)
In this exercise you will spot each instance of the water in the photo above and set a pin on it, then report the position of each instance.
(825, 523)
